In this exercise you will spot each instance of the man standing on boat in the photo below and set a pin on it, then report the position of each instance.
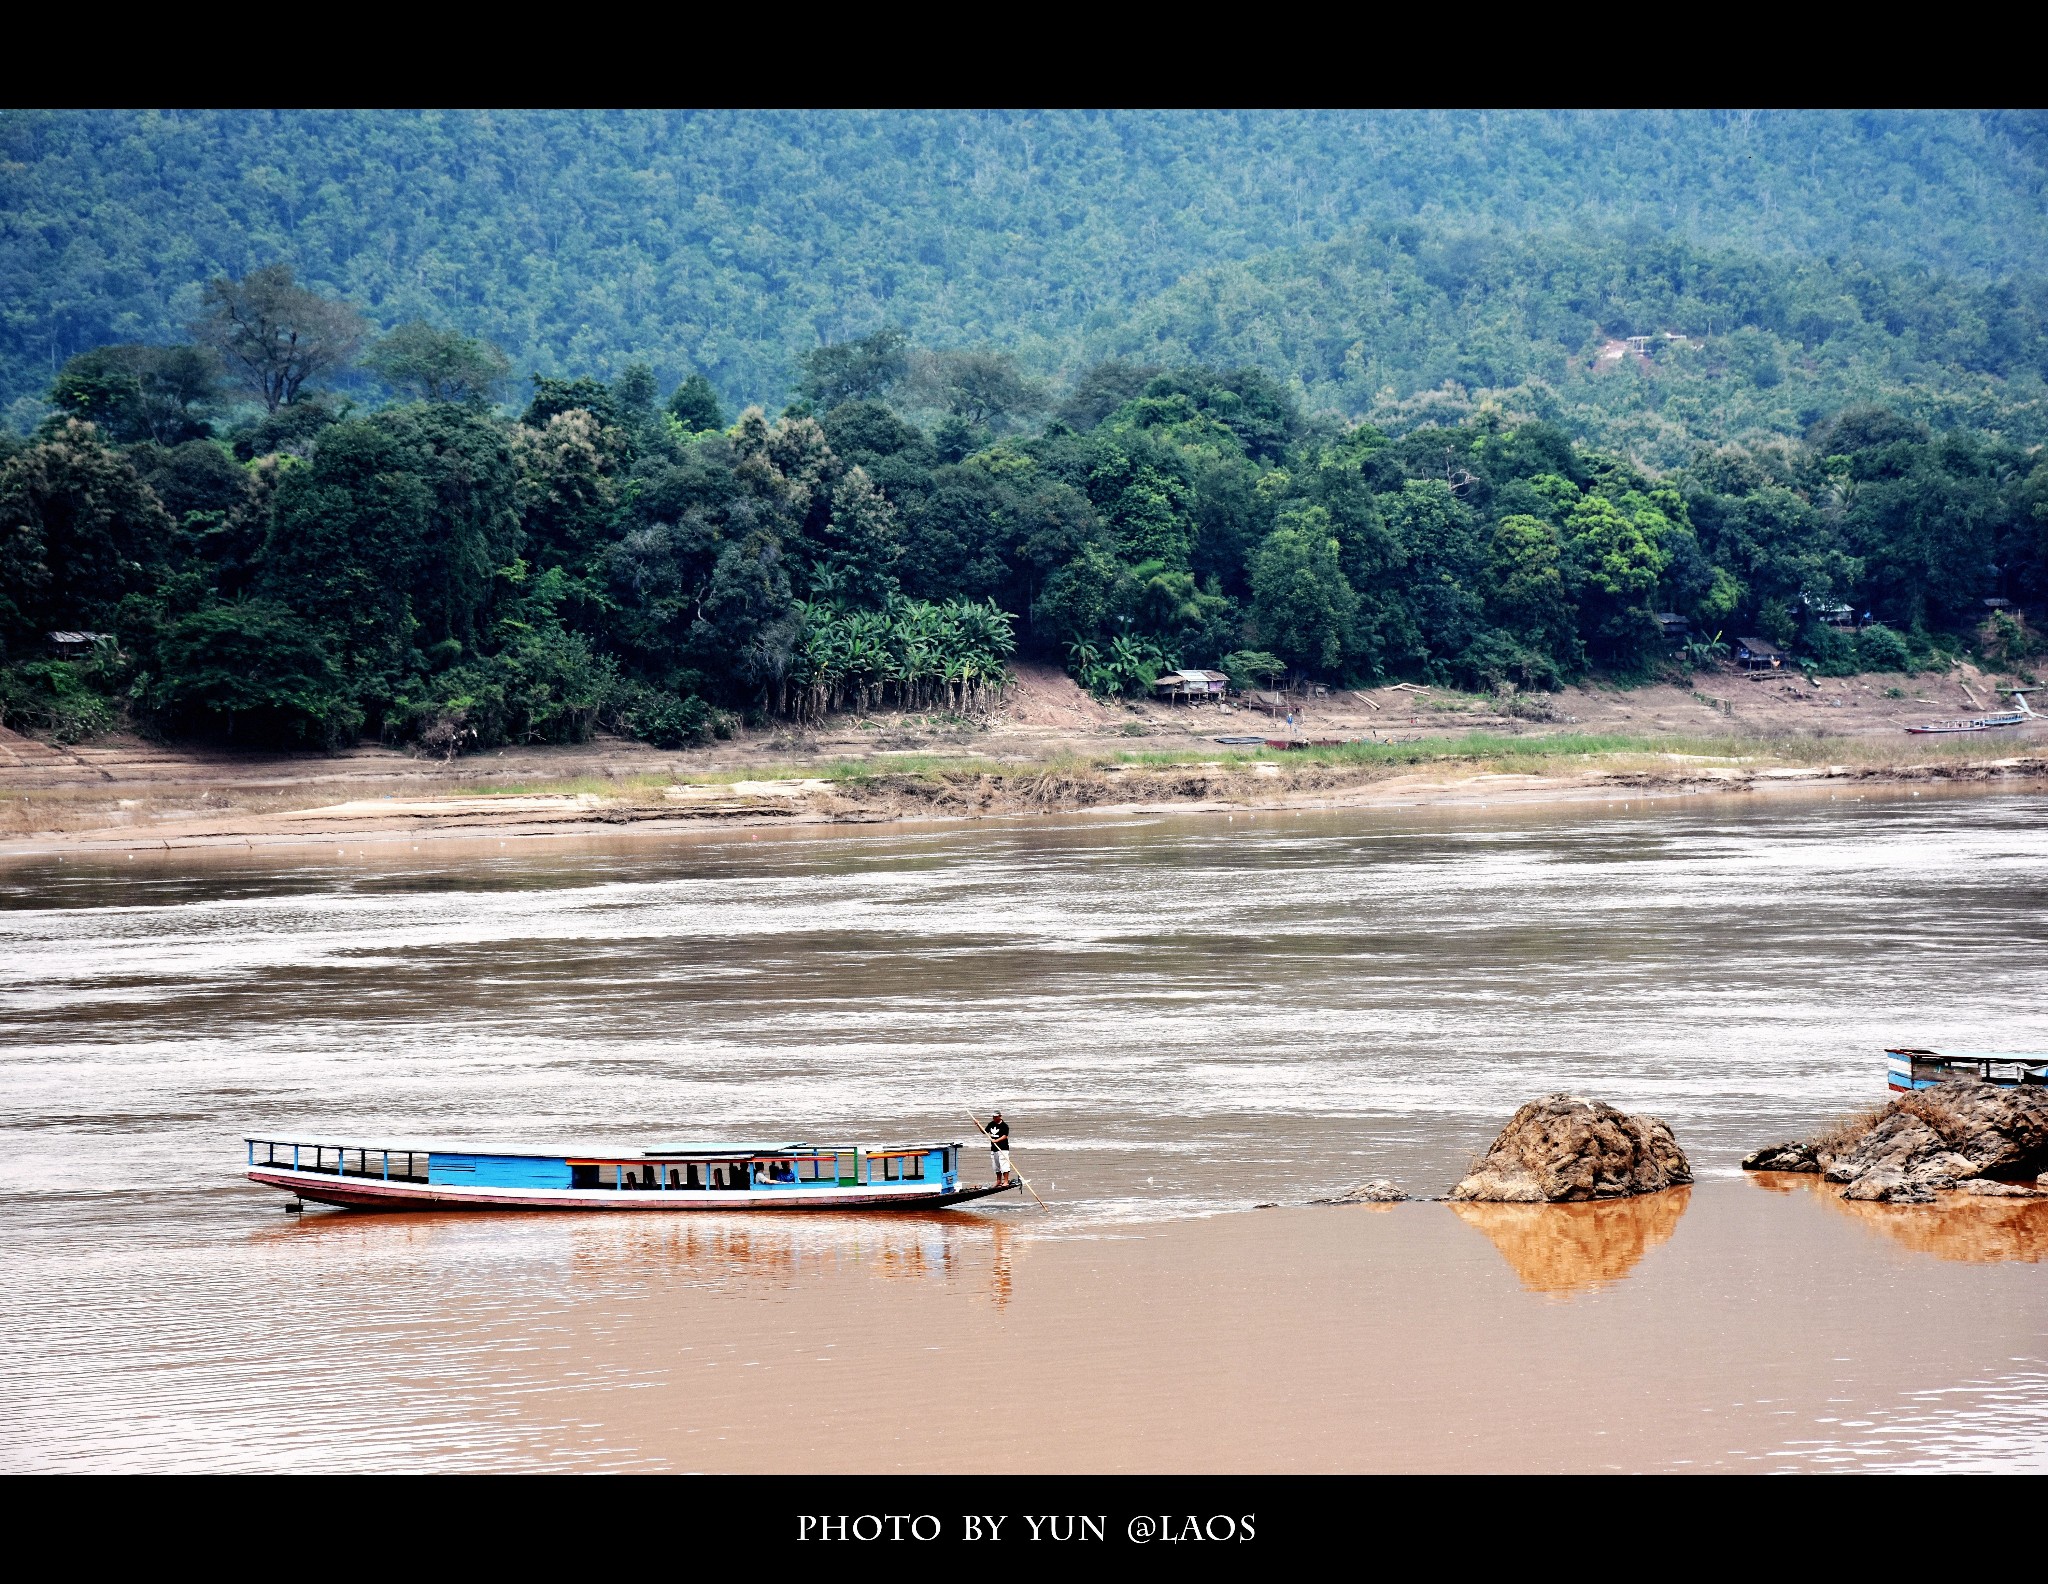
(999, 1146)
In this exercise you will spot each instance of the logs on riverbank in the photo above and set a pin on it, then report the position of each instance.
(1963, 1134)
(1565, 1149)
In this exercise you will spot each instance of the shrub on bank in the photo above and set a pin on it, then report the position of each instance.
(253, 672)
(666, 719)
(54, 699)
(545, 686)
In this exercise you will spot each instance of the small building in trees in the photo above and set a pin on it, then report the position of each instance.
(1191, 685)
(1675, 628)
(69, 644)
(1754, 654)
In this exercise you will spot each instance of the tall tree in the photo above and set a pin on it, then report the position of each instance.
(432, 364)
(137, 393)
(275, 335)
(1302, 606)
(389, 539)
(842, 371)
(78, 532)
(694, 405)
(979, 387)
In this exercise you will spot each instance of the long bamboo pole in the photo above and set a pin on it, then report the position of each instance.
(984, 1132)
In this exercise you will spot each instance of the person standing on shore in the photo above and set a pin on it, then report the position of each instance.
(999, 1146)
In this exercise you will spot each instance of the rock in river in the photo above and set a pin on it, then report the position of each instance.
(1942, 1137)
(1378, 1191)
(1958, 1134)
(1793, 1156)
(1564, 1148)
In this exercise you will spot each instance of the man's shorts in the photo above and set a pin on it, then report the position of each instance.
(1002, 1160)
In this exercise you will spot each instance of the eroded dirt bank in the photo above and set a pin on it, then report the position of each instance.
(644, 801)
(1049, 749)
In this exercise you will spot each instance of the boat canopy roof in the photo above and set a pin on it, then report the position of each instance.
(714, 1151)
(1972, 1056)
(778, 1151)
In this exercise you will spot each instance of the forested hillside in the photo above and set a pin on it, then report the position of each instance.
(1415, 327)
(729, 244)
(461, 429)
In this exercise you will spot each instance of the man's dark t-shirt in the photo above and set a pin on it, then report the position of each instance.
(999, 1134)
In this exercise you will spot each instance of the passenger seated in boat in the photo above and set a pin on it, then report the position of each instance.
(675, 1178)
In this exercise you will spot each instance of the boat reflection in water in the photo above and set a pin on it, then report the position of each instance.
(1572, 1248)
(593, 1256)
(1959, 1226)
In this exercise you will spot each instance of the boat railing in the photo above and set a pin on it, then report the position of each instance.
(373, 1161)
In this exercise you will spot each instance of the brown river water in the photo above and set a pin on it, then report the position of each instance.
(1185, 1017)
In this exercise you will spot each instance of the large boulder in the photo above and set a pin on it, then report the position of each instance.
(1958, 1133)
(1562, 1148)
(1942, 1137)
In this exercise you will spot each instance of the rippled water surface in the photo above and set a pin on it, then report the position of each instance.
(1181, 1017)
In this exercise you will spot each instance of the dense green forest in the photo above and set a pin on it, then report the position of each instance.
(465, 428)
(1417, 327)
(1823, 258)
(271, 565)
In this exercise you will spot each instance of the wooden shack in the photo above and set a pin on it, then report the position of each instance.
(1754, 654)
(1193, 686)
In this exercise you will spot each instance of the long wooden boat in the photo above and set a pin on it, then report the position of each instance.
(1923, 1069)
(668, 1177)
(1978, 723)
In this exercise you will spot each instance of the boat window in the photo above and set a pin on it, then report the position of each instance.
(818, 1168)
(891, 1168)
(913, 1168)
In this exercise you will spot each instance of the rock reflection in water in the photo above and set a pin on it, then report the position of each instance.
(1964, 1227)
(1569, 1248)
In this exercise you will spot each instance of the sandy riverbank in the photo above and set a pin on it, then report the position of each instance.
(162, 802)
(1049, 750)
(884, 794)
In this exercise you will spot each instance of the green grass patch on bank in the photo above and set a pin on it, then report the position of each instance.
(1467, 747)
(1562, 753)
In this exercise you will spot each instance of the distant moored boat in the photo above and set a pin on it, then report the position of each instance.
(673, 1177)
(1923, 1069)
(1978, 723)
